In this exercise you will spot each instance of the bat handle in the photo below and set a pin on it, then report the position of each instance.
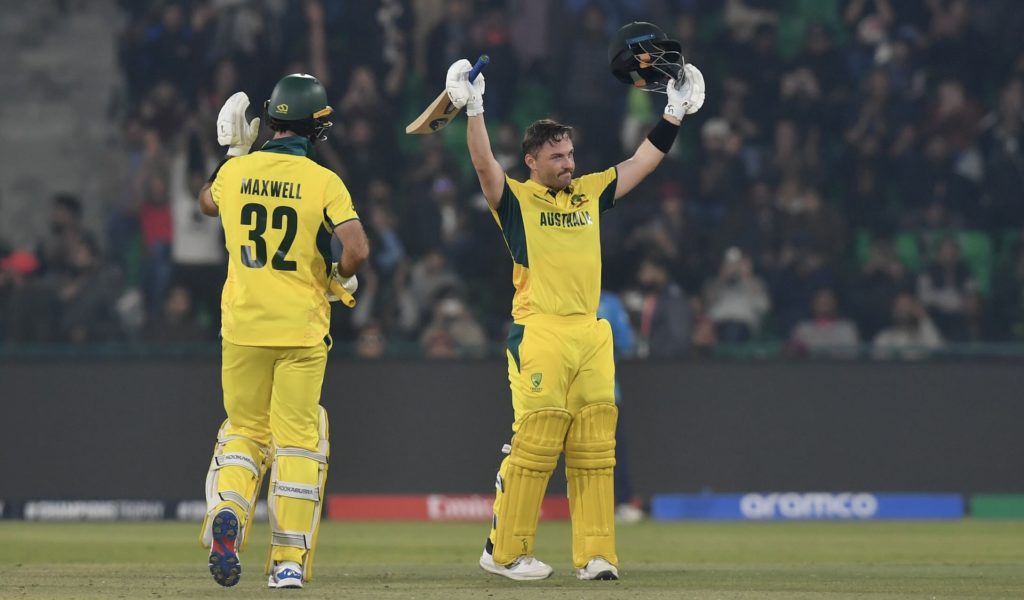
(480, 62)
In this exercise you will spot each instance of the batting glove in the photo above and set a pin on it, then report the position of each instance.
(347, 285)
(687, 98)
(461, 91)
(232, 130)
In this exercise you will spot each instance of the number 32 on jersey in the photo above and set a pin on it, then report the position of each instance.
(254, 215)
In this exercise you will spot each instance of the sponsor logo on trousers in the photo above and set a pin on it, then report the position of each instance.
(809, 506)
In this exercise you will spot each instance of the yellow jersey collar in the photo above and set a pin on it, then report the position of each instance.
(543, 189)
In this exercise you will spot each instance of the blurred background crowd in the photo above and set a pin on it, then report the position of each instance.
(854, 184)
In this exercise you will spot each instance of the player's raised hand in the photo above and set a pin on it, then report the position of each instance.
(232, 129)
(463, 92)
(687, 98)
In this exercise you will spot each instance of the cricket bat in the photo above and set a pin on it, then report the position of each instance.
(441, 111)
(341, 293)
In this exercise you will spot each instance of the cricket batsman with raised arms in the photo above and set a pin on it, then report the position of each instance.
(560, 363)
(279, 210)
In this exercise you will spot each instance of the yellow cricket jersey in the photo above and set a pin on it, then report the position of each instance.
(555, 242)
(279, 210)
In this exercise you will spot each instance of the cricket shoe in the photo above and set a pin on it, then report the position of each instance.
(627, 514)
(598, 568)
(285, 574)
(524, 568)
(224, 565)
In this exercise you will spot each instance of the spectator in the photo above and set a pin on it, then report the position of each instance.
(65, 228)
(811, 224)
(796, 154)
(587, 91)
(389, 251)
(912, 335)
(155, 222)
(881, 278)
(177, 323)
(489, 34)
(868, 22)
(820, 58)
(431, 275)
(453, 331)
(432, 214)
(936, 193)
(197, 244)
(449, 40)
(757, 63)
(812, 242)
(1002, 143)
(86, 294)
(826, 334)
(720, 176)
(878, 134)
(670, 236)
(371, 342)
(737, 299)
(752, 227)
(664, 328)
(948, 291)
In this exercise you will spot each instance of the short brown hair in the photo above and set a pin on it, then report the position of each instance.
(542, 132)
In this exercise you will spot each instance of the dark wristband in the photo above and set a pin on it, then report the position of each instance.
(217, 170)
(663, 134)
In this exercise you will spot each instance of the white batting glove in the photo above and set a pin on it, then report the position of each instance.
(461, 91)
(349, 284)
(688, 98)
(475, 106)
(232, 130)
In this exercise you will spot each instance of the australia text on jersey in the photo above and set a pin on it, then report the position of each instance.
(269, 187)
(573, 219)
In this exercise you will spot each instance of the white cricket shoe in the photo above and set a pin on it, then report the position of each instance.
(627, 514)
(524, 568)
(598, 568)
(285, 574)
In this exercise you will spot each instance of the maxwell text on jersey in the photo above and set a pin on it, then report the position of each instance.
(269, 187)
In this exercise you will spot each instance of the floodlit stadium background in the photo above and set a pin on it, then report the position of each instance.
(825, 279)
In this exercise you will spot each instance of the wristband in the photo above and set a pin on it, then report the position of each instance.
(663, 135)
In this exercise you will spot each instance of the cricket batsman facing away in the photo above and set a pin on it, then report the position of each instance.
(279, 210)
(560, 363)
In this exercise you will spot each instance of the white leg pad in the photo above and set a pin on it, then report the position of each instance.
(257, 465)
(312, 492)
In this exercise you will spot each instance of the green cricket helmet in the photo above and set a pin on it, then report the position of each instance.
(299, 104)
(640, 54)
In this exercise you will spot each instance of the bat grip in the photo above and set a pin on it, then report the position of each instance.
(480, 62)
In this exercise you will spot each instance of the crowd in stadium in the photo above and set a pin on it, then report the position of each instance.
(854, 181)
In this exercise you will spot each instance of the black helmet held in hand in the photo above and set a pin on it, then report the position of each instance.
(641, 55)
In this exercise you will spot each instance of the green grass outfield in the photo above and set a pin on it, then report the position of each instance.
(959, 559)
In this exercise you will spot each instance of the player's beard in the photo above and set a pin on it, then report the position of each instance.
(562, 180)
